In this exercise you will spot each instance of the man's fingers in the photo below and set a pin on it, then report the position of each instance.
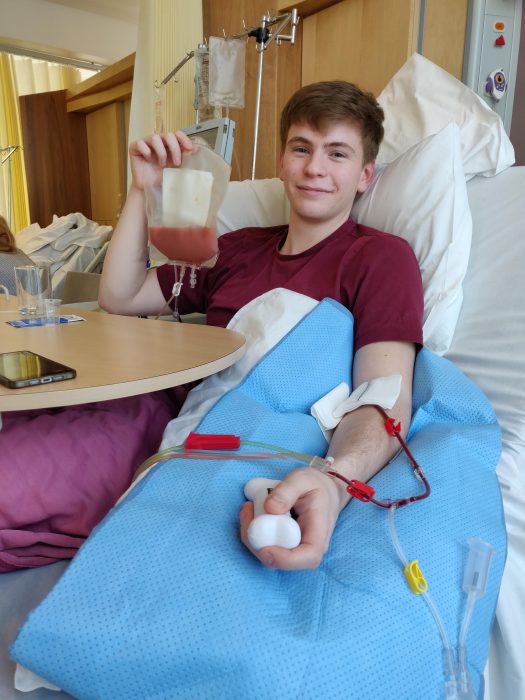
(283, 497)
(159, 147)
(307, 555)
(176, 144)
(185, 142)
(141, 148)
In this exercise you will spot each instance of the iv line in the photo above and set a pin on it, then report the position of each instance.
(457, 676)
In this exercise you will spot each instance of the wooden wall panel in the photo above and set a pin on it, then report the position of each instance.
(107, 173)
(332, 43)
(444, 34)
(281, 77)
(56, 157)
(363, 41)
(105, 99)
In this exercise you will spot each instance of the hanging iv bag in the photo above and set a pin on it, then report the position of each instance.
(204, 110)
(226, 72)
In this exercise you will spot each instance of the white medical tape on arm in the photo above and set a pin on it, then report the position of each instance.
(330, 409)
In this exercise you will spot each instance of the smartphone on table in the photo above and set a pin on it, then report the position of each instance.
(22, 368)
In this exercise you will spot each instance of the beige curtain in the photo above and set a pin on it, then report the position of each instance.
(34, 75)
(168, 30)
(14, 205)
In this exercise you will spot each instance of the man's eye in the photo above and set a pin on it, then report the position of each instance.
(338, 154)
(300, 149)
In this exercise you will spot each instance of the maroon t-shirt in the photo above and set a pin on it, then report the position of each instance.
(374, 274)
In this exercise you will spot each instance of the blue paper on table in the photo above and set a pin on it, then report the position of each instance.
(163, 601)
(43, 321)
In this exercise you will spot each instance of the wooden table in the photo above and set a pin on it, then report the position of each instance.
(115, 356)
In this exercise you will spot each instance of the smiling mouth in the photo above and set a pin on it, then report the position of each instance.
(313, 190)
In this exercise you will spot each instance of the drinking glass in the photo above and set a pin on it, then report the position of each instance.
(33, 286)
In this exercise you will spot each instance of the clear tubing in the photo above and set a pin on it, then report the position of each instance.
(224, 454)
(465, 689)
(177, 285)
(395, 539)
(449, 663)
(178, 452)
(463, 673)
(296, 455)
(474, 585)
(467, 617)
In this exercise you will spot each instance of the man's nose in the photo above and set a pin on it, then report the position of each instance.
(315, 164)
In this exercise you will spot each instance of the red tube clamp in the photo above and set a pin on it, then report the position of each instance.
(201, 441)
(363, 492)
(392, 428)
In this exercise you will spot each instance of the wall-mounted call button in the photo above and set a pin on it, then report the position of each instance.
(496, 84)
(500, 41)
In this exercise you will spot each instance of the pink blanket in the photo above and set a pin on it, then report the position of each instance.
(61, 470)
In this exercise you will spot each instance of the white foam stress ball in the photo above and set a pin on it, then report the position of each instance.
(267, 529)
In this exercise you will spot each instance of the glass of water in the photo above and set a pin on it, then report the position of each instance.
(33, 286)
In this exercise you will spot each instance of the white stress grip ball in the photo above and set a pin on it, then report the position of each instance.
(266, 529)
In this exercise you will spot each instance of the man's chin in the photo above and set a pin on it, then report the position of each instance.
(314, 214)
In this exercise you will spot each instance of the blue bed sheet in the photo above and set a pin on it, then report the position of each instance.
(163, 601)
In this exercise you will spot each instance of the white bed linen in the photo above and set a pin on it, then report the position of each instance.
(489, 347)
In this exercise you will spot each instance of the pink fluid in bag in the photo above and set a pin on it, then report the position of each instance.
(190, 244)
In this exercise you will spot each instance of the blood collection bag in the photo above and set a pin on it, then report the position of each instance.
(182, 207)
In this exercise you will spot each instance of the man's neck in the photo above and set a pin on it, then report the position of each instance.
(304, 234)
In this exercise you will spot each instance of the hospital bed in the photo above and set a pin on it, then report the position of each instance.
(433, 178)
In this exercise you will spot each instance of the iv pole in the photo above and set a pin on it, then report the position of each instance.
(8, 150)
(291, 17)
(264, 38)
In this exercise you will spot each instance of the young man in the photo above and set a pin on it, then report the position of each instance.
(330, 135)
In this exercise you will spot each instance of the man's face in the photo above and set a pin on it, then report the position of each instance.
(323, 170)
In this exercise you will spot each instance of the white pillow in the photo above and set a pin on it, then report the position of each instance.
(421, 197)
(422, 98)
(253, 203)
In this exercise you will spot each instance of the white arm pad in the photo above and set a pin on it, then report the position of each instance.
(330, 408)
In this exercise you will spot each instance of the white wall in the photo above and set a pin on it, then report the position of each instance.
(101, 38)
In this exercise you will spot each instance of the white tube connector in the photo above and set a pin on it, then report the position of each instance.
(266, 529)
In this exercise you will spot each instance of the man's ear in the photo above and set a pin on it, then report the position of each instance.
(367, 175)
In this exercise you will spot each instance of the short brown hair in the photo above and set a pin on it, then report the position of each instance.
(336, 101)
(7, 240)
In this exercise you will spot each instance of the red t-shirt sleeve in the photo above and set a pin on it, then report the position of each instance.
(388, 299)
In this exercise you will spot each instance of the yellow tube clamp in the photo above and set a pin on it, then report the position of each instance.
(415, 579)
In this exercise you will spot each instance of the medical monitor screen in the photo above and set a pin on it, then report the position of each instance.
(216, 133)
(209, 136)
